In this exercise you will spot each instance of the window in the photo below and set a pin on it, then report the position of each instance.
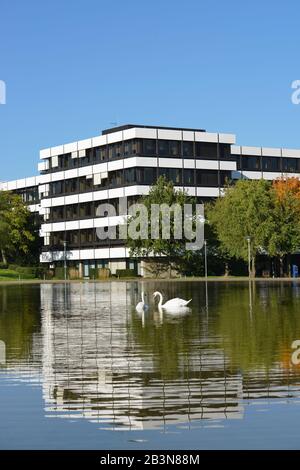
(238, 159)
(72, 237)
(115, 204)
(207, 150)
(73, 162)
(72, 211)
(129, 176)
(149, 147)
(71, 186)
(57, 213)
(136, 147)
(188, 149)
(89, 183)
(188, 177)
(132, 147)
(111, 151)
(225, 153)
(87, 159)
(291, 165)
(57, 187)
(63, 161)
(116, 178)
(87, 236)
(102, 263)
(207, 178)
(172, 174)
(115, 150)
(127, 148)
(146, 175)
(271, 163)
(251, 163)
(86, 209)
(225, 178)
(119, 149)
(29, 195)
(85, 184)
(57, 238)
(163, 148)
(100, 154)
(174, 146)
(175, 175)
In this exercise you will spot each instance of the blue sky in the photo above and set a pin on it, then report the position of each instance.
(72, 68)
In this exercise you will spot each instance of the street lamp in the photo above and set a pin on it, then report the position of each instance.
(205, 258)
(65, 260)
(248, 238)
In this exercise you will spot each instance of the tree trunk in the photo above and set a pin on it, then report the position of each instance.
(226, 274)
(3, 256)
(253, 268)
(288, 265)
(281, 267)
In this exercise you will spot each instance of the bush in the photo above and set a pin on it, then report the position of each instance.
(9, 274)
(29, 272)
(103, 273)
(26, 276)
(26, 270)
(13, 267)
(94, 273)
(3, 266)
(125, 273)
(59, 272)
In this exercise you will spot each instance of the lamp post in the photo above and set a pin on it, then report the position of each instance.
(205, 258)
(65, 260)
(249, 256)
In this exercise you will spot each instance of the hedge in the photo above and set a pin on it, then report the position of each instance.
(125, 273)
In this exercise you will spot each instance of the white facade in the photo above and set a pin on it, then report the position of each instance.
(200, 171)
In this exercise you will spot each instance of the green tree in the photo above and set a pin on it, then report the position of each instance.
(243, 211)
(285, 236)
(16, 233)
(172, 249)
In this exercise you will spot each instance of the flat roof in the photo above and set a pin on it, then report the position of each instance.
(130, 126)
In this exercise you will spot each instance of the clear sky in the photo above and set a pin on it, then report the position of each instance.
(72, 68)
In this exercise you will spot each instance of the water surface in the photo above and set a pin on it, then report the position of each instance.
(84, 370)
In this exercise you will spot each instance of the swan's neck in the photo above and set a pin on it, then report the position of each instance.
(143, 299)
(160, 300)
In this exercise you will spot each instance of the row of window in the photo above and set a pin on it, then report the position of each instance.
(88, 210)
(29, 195)
(91, 264)
(143, 147)
(256, 163)
(84, 237)
(145, 175)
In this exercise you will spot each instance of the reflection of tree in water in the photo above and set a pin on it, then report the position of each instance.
(259, 339)
(256, 338)
(170, 343)
(19, 319)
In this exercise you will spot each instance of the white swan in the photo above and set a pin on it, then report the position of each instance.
(172, 304)
(141, 307)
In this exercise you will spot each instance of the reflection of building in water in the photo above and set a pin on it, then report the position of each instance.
(97, 359)
(94, 367)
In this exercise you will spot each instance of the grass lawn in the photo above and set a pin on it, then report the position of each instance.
(10, 275)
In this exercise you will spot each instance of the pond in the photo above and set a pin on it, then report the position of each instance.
(81, 369)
